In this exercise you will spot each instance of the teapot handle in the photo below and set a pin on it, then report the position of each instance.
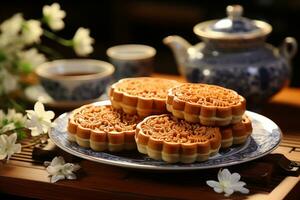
(289, 47)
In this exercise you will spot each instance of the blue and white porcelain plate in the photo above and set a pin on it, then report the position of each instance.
(265, 138)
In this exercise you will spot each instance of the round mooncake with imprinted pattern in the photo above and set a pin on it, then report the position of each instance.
(143, 96)
(102, 128)
(165, 137)
(210, 105)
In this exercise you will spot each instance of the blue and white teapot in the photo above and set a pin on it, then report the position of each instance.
(234, 54)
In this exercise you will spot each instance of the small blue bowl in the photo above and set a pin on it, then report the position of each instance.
(75, 79)
(131, 60)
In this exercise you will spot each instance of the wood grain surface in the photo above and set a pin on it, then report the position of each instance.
(25, 177)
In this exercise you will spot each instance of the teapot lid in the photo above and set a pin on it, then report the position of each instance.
(234, 26)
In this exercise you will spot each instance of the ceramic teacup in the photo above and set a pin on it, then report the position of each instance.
(75, 79)
(131, 60)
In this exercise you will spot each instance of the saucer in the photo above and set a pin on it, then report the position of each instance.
(36, 92)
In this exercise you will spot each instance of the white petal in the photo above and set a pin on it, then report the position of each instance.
(243, 190)
(17, 148)
(8, 127)
(67, 168)
(228, 191)
(76, 167)
(56, 178)
(239, 184)
(71, 176)
(226, 175)
(59, 160)
(3, 140)
(212, 183)
(221, 176)
(47, 123)
(49, 114)
(39, 107)
(53, 170)
(35, 131)
(12, 138)
(45, 128)
(10, 152)
(30, 113)
(235, 177)
(218, 189)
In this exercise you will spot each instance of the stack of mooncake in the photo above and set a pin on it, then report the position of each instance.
(165, 119)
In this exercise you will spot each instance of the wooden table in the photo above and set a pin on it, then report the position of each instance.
(25, 177)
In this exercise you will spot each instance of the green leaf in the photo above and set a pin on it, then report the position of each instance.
(19, 125)
(17, 106)
(5, 122)
(25, 67)
(2, 57)
(21, 134)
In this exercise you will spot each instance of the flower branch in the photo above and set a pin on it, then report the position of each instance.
(13, 127)
(62, 41)
(19, 37)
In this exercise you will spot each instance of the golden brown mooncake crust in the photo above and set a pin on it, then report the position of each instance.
(144, 95)
(102, 128)
(236, 133)
(175, 140)
(210, 105)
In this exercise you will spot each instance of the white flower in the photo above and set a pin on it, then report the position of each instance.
(54, 16)
(83, 42)
(13, 25)
(11, 120)
(59, 169)
(10, 30)
(228, 183)
(7, 127)
(31, 58)
(14, 117)
(39, 120)
(32, 31)
(8, 146)
(8, 82)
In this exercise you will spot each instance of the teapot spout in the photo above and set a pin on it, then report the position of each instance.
(179, 46)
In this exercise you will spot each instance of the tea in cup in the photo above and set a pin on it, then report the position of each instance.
(75, 79)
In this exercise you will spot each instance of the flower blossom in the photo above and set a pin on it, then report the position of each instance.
(30, 59)
(8, 82)
(59, 169)
(7, 127)
(15, 117)
(39, 120)
(82, 42)
(13, 25)
(8, 146)
(228, 183)
(10, 29)
(53, 16)
(32, 31)
(11, 121)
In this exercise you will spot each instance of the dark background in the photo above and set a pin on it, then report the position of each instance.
(148, 22)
